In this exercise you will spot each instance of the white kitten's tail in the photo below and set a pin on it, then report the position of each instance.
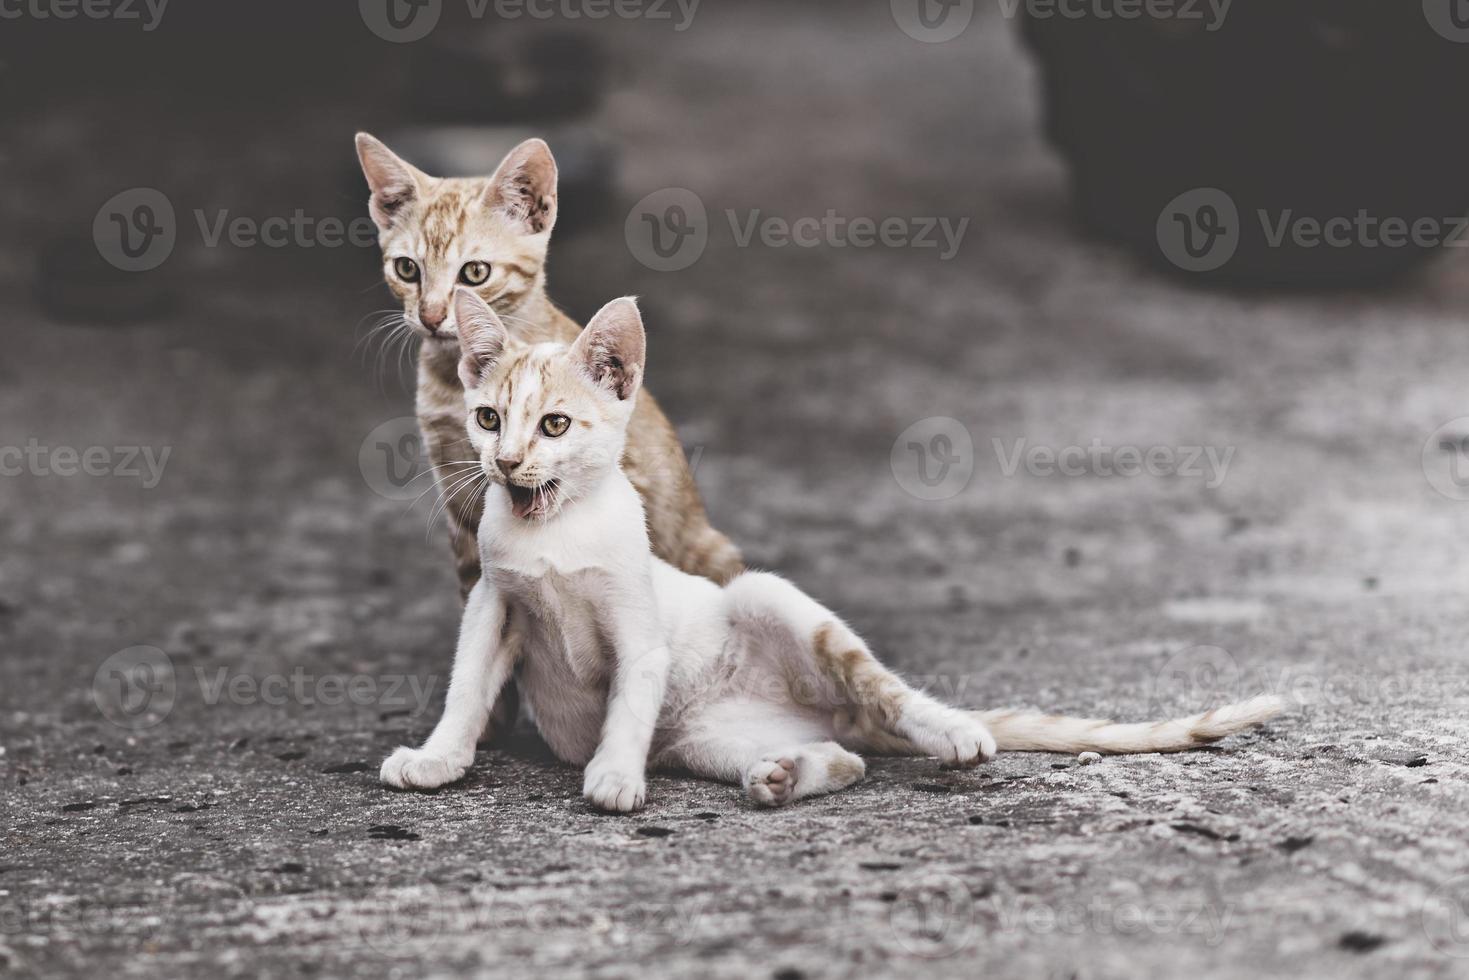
(1022, 731)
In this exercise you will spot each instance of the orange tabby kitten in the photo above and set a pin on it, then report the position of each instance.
(490, 235)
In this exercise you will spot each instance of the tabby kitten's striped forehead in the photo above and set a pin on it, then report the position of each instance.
(486, 234)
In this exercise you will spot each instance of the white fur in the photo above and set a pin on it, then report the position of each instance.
(624, 659)
(1034, 732)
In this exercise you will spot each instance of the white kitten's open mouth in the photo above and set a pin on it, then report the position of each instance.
(532, 502)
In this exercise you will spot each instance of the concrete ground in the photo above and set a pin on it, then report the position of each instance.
(232, 825)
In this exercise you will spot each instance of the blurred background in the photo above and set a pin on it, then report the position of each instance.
(1100, 356)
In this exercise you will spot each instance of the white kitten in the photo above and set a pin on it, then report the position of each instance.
(624, 659)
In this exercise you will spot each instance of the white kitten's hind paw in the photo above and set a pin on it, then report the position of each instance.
(772, 782)
(416, 769)
(613, 791)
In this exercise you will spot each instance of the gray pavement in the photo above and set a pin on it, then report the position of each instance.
(234, 827)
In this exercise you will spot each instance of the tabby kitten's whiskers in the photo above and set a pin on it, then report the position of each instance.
(490, 235)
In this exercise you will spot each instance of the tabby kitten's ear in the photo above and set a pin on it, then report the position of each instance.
(524, 188)
(481, 337)
(613, 348)
(394, 181)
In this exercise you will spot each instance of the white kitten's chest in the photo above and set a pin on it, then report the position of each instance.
(566, 659)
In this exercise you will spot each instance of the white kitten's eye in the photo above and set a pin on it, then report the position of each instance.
(474, 273)
(406, 269)
(488, 419)
(555, 425)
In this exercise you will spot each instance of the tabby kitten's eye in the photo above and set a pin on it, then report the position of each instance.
(488, 419)
(555, 425)
(474, 273)
(406, 268)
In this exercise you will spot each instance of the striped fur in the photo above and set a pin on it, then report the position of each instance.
(506, 220)
(1027, 731)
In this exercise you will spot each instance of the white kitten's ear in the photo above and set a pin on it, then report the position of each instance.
(481, 337)
(613, 347)
(394, 181)
(524, 188)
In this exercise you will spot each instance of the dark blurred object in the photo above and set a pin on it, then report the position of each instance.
(473, 94)
(74, 282)
(1317, 109)
(237, 53)
(499, 78)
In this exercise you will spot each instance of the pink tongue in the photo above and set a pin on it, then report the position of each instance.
(522, 500)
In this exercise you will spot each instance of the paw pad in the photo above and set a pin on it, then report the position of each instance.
(772, 782)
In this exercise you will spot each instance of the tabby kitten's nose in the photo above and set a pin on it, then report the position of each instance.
(507, 464)
(432, 317)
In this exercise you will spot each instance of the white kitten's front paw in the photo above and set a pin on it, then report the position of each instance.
(967, 744)
(614, 790)
(417, 769)
(959, 742)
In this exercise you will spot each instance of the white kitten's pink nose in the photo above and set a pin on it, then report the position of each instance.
(508, 464)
